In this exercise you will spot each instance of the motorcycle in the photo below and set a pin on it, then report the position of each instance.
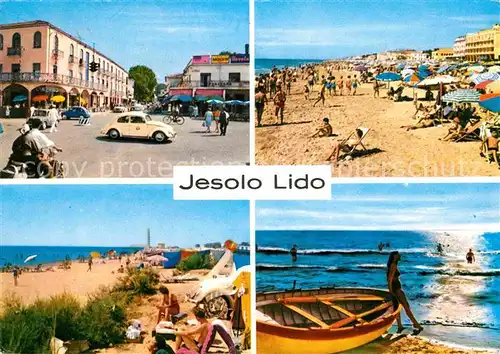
(47, 167)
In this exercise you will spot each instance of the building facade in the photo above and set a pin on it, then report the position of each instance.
(442, 53)
(459, 48)
(39, 60)
(419, 56)
(226, 76)
(483, 45)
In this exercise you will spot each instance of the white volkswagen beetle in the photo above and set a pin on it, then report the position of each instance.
(138, 125)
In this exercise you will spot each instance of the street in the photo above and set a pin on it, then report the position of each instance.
(88, 154)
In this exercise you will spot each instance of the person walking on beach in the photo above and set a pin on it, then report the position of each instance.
(208, 119)
(348, 85)
(376, 88)
(355, 84)
(395, 287)
(306, 92)
(260, 104)
(293, 252)
(90, 264)
(334, 86)
(470, 257)
(289, 85)
(15, 274)
(279, 102)
(341, 85)
(321, 95)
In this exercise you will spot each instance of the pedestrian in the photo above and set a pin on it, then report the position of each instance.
(53, 118)
(355, 84)
(90, 264)
(208, 119)
(279, 102)
(224, 121)
(15, 273)
(293, 252)
(348, 85)
(217, 119)
(376, 89)
(341, 85)
(289, 85)
(260, 103)
(321, 95)
(32, 110)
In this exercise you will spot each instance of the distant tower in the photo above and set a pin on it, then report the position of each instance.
(247, 49)
(149, 238)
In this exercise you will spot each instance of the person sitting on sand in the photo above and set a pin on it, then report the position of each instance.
(188, 338)
(169, 305)
(454, 132)
(470, 257)
(345, 146)
(492, 143)
(324, 129)
(395, 287)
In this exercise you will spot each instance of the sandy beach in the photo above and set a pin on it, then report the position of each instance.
(391, 150)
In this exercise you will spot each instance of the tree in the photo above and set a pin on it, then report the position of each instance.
(160, 89)
(144, 83)
(227, 53)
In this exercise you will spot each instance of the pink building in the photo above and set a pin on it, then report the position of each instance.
(39, 61)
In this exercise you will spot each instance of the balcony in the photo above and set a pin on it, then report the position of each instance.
(57, 54)
(216, 84)
(14, 52)
(50, 79)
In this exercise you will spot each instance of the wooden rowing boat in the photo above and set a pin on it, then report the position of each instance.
(322, 321)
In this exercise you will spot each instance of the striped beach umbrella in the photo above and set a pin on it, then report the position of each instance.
(477, 79)
(414, 78)
(462, 96)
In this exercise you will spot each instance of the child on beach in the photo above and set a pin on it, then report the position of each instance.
(324, 129)
(306, 92)
(376, 92)
(341, 85)
(355, 84)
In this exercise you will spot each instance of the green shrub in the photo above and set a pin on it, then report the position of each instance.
(103, 319)
(195, 261)
(139, 282)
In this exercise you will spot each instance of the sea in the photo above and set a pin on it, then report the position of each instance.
(458, 303)
(263, 66)
(16, 255)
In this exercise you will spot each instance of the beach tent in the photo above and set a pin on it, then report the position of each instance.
(485, 77)
(174, 257)
(491, 104)
(187, 253)
(388, 76)
(462, 96)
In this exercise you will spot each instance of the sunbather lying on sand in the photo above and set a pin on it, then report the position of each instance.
(324, 129)
(344, 146)
(424, 122)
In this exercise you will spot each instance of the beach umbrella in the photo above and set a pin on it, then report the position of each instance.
(443, 69)
(19, 98)
(58, 99)
(157, 259)
(212, 101)
(494, 69)
(388, 76)
(494, 86)
(437, 80)
(95, 254)
(491, 104)
(482, 85)
(487, 96)
(414, 78)
(40, 98)
(30, 258)
(476, 68)
(407, 72)
(485, 77)
(234, 102)
(361, 68)
(462, 96)
(400, 66)
(181, 98)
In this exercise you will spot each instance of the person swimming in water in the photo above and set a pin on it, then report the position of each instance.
(380, 246)
(293, 252)
(470, 257)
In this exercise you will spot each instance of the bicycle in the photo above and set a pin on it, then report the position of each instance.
(174, 119)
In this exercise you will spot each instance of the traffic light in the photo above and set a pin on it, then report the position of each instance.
(94, 66)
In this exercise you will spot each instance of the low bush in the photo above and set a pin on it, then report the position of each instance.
(195, 261)
(139, 282)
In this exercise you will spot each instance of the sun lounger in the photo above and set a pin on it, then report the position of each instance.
(355, 143)
(471, 132)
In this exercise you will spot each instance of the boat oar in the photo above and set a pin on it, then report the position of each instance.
(307, 315)
(351, 319)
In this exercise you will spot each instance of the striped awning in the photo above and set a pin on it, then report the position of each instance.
(180, 91)
(209, 92)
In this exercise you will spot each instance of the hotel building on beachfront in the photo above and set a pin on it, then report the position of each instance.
(483, 45)
(226, 76)
(39, 59)
(459, 48)
(442, 53)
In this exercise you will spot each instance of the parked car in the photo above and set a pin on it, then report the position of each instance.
(119, 109)
(76, 112)
(138, 125)
(43, 116)
(137, 108)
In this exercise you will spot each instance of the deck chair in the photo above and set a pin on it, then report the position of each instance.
(209, 341)
(470, 133)
(356, 143)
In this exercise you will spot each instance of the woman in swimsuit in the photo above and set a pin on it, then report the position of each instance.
(396, 289)
(169, 305)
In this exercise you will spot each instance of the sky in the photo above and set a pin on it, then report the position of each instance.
(115, 215)
(410, 207)
(324, 29)
(161, 34)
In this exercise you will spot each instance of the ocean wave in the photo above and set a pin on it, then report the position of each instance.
(278, 267)
(460, 324)
(323, 252)
(372, 266)
(462, 272)
(305, 267)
